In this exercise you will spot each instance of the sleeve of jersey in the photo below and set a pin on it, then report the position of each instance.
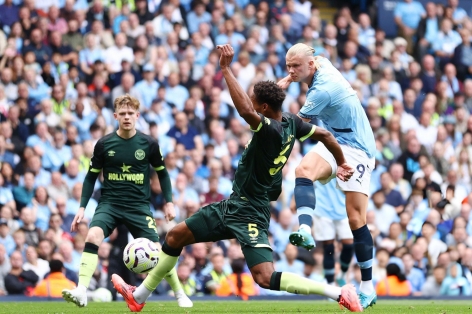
(304, 130)
(263, 126)
(315, 102)
(157, 162)
(156, 159)
(96, 164)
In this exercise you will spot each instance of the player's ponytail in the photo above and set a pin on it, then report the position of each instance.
(238, 268)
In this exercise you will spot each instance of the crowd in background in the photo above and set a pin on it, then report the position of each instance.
(62, 63)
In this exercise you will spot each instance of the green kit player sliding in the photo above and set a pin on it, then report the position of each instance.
(124, 157)
(246, 214)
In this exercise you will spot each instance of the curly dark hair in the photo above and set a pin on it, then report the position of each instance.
(270, 93)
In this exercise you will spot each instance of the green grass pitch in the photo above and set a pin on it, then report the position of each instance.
(253, 307)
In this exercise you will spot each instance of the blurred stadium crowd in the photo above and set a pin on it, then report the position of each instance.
(64, 61)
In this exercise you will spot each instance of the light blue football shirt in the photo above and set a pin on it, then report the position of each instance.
(330, 202)
(331, 99)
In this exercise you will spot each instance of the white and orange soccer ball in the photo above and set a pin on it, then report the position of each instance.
(141, 255)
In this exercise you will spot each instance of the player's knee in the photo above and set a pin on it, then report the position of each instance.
(95, 236)
(171, 238)
(303, 171)
(262, 279)
(356, 221)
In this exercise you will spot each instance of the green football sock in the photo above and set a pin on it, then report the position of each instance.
(173, 280)
(88, 264)
(296, 284)
(166, 265)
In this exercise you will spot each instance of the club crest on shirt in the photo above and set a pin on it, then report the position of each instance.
(139, 154)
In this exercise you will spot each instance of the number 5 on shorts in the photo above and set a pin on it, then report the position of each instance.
(253, 232)
(151, 223)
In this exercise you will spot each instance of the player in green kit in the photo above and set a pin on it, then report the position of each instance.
(124, 157)
(246, 214)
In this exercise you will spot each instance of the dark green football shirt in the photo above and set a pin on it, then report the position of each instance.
(125, 164)
(259, 177)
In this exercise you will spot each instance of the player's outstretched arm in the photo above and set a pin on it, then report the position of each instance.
(344, 170)
(87, 191)
(166, 186)
(241, 100)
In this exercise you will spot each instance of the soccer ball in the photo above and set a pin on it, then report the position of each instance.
(102, 295)
(141, 255)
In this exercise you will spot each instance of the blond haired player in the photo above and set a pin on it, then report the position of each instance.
(124, 157)
(331, 99)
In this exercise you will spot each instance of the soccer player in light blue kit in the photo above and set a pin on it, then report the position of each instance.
(330, 223)
(332, 100)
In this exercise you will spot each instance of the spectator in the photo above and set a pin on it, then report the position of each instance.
(217, 275)
(407, 17)
(71, 258)
(385, 214)
(4, 268)
(197, 16)
(188, 283)
(32, 233)
(428, 29)
(41, 51)
(414, 275)
(395, 284)
(54, 283)
(461, 57)
(117, 53)
(42, 207)
(455, 284)
(19, 281)
(435, 246)
(238, 283)
(392, 196)
(290, 263)
(447, 40)
(5, 237)
(38, 265)
(432, 286)
(9, 13)
(185, 134)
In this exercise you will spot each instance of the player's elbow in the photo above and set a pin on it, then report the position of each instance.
(247, 112)
(323, 136)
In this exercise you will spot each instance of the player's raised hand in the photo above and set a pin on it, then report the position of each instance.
(345, 172)
(77, 219)
(227, 54)
(169, 211)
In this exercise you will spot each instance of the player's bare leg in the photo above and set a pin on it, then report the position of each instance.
(182, 299)
(136, 297)
(266, 277)
(313, 167)
(356, 207)
(88, 265)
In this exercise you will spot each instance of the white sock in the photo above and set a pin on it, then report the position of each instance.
(367, 287)
(305, 228)
(141, 294)
(82, 287)
(332, 292)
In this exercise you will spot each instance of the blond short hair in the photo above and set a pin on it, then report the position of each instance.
(301, 50)
(126, 100)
